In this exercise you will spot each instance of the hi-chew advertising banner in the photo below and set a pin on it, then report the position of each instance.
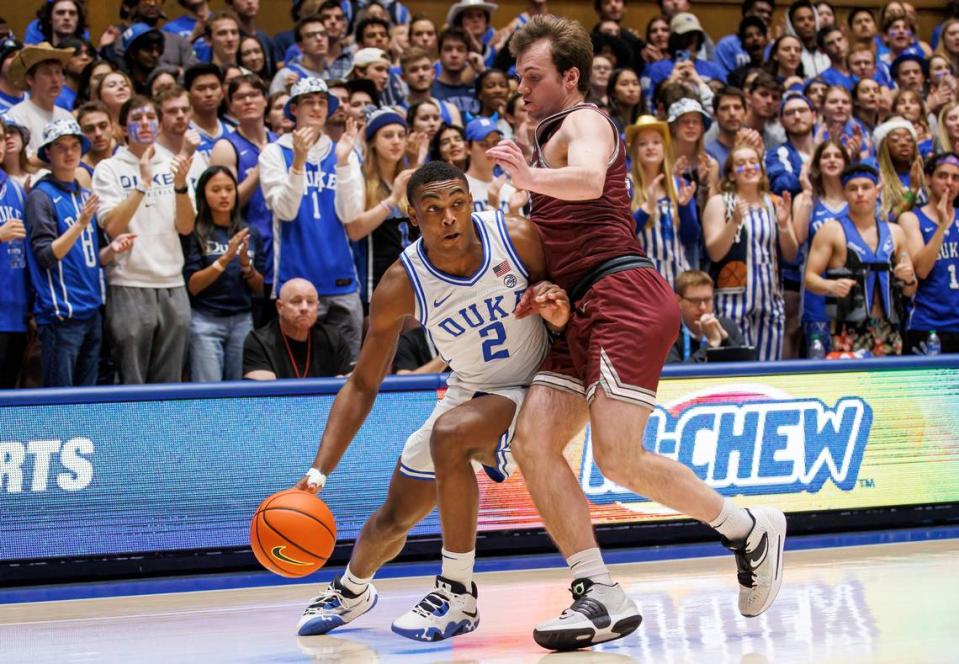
(187, 473)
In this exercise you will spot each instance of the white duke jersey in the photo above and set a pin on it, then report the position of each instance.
(470, 319)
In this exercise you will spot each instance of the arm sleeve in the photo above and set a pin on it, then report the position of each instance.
(735, 335)
(192, 257)
(690, 229)
(106, 187)
(641, 217)
(41, 221)
(282, 188)
(254, 356)
(350, 190)
(779, 169)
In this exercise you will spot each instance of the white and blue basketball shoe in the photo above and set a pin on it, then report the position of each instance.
(450, 610)
(335, 607)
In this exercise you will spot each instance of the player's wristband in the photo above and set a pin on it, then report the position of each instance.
(315, 477)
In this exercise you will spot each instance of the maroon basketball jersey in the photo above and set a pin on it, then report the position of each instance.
(579, 235)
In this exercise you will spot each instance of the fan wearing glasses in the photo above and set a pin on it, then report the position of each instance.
(700, 328)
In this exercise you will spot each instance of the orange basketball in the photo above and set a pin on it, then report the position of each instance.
(733, 275)
(293, 533)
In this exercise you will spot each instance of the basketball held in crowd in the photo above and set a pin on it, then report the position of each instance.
(187, 197)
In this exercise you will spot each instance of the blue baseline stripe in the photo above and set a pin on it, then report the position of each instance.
(493, 564)
(417, 287)
(508, 243)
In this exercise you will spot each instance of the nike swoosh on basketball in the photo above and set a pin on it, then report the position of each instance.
(277, 552)
(437, 303)
(756, 557)
(471, 615)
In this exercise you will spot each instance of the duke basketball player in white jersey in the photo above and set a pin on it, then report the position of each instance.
(462, 280)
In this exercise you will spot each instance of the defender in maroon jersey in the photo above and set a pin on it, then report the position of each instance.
(624, 322)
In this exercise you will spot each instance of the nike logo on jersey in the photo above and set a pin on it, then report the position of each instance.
(437, 303)
(57, 199)
(277, 552)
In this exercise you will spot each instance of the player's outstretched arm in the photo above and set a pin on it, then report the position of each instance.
(392, 302)
(590, 143)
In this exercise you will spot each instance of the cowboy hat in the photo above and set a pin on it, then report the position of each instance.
(30, 56)
(647, 122)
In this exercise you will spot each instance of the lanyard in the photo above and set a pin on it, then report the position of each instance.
(685, 344)
(306, 365)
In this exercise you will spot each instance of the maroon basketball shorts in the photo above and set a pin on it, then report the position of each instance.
(618, 337)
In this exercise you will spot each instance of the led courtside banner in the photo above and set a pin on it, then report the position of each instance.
(127, 471)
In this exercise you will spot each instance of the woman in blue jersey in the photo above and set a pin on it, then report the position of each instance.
(932, 239)
(13, 276)
(666, 219)
(747, 230)
(221, 279)
(383, 230)
(822, 199)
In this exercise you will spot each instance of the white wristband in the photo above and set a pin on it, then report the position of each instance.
(315, 478)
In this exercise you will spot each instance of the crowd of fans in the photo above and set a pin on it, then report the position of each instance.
(194, 199)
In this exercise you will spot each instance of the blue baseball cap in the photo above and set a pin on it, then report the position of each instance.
(479, 128)
(135, 32)
(58, 129)
(306, 86)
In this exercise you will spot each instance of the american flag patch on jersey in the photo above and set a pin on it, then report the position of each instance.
(501, 269)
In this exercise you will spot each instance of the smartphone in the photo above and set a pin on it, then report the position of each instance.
(682, 56)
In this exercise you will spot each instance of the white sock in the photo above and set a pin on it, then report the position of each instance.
(355, 584)
(733, 523)
(588, 564)
(459, 567)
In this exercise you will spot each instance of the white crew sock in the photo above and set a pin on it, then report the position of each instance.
(355, 584)
(733, 523)
(588, 564)
(459, 567)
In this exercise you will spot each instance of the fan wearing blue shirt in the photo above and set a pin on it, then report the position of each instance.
(13, 276)
(204, 83)
(686, 37)
(64, 261)
(730, 53)
(832, 41)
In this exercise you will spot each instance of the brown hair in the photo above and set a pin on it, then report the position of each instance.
(413, 54)
(93, 107)
(136, 101)
(166, 95)
(216, 18)
(691, 279)
(815, 173)
(570, 45)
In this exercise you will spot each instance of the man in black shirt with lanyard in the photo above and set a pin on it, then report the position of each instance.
(294, 345)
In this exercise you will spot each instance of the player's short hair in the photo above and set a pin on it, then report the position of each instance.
(691, 279)
(433, 171)
(570, 44)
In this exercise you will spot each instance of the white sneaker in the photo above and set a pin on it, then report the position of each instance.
(334, 608)
(450, 610)
(759, 559)
(598, 613)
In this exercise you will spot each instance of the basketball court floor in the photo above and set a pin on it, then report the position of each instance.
(895, 602)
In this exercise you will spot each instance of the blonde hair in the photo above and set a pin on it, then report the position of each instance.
(376, 191)
(945, 144)
(890, 186)
(640, 186)
(727, 184)
(953, 58)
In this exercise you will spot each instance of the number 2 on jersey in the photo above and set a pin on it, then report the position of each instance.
(497, 337)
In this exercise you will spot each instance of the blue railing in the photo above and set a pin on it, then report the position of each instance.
(420, 382)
